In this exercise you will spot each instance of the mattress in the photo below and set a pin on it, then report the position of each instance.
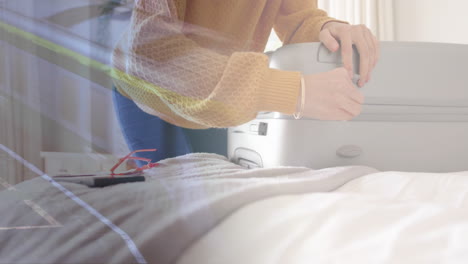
(201, 208)
(386, 217)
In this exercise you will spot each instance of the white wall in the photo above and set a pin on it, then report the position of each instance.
(431, 20)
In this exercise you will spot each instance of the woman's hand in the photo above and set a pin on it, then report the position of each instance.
(331, 96)
(359, 35)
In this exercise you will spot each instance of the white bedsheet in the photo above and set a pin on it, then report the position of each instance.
(387, 217)
(200, 208)
(180, 201)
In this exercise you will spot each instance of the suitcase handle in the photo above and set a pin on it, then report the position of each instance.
(326, 56)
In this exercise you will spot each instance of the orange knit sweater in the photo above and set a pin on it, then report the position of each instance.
(199, 63)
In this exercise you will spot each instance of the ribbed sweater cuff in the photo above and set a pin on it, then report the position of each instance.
(279, 91)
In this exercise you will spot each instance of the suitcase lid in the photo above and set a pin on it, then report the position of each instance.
(412, 80)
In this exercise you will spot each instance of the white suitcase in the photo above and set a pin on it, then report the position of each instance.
(415, 117)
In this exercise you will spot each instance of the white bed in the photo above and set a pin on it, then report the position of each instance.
(390, 217)
(201, 208)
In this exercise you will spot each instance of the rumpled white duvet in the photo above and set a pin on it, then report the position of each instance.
(386, 217)
(202, 209)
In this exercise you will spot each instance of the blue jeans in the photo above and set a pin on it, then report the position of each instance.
(144, 131)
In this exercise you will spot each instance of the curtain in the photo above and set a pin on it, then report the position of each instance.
(377, 15)
(45, 107)
(20, 125)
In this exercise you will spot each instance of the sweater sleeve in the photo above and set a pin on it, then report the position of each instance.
(300, 21)
(161, 66)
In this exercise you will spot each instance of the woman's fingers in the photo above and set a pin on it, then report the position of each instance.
(332, 96)
(364, 67)
(356, 96)
(377, 49)
(347, 51)
(359, 35)
(329, 41)
(347, 86)
(350, 107)
(342, 115)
